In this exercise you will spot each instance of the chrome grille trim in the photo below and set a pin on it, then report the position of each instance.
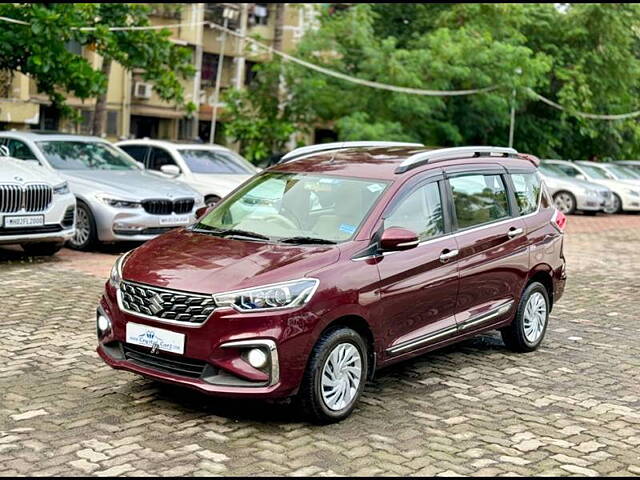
(167, 207)
(32, 198)
(164, 305)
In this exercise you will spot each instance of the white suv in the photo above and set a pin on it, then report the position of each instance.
(212, 170)
(37, 209)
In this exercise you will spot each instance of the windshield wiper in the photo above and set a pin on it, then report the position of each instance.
(228, 232)
(310, 240)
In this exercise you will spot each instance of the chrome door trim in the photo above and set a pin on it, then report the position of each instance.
(414, 342)
(484, 317)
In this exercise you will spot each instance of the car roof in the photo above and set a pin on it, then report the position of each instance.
(380, 162)
(39, 135)
(179, 144)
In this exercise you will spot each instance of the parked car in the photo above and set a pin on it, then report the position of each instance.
(405, 250)
(626, 195)
(36, 206)
(571, 194)
(116, 199)
(212, 170)
(620, 172)
(632, 164)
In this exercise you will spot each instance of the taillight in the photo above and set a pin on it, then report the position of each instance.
(559, 220)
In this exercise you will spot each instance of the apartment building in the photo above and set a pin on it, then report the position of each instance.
(133, 109)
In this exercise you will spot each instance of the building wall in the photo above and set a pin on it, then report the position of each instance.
(21, 107)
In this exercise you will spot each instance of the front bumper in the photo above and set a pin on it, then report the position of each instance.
(134, 224)
(218, 347)
(59, 224)
(593, 203)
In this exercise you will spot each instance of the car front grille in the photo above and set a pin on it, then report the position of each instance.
(167, 207)
(166, 304)
(30, 198)
(186, 367)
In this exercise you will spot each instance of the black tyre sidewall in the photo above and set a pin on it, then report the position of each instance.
(516, 331)
(619, 209)
(92, 229)
(313, 403)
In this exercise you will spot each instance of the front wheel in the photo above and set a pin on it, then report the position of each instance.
(85, 235)
(41, 249)
(335, 376)
(211, 200)
(617, 204)
(527, 330)
(565, 202)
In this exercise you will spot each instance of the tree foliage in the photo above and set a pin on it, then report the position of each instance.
(40, 48)
(585, 58)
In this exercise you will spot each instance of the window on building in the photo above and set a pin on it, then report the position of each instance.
(209, 69)
(249, 72)
(259, 15)
(6, 78)
(112, 123)
(479, 199)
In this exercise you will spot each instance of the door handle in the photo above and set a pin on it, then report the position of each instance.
(514, 232)
(447, 255)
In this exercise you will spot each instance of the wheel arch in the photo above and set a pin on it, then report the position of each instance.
(542, 273)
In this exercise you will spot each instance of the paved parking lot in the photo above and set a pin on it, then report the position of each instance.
(572, 408)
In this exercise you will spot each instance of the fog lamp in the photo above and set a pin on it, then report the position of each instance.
(257, 358)
(103, 323)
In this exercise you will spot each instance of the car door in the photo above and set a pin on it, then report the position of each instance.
(493, 253)
(418, 287)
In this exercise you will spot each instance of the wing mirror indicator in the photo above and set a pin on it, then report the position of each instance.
(395, 239)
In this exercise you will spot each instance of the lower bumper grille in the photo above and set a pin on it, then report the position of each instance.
(69, 216)
(146, 231)
(30, 230)
(186, 367)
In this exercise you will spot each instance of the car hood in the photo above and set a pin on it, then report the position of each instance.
(14, 170)
(212, 184)
(131, 184)
(202, 263)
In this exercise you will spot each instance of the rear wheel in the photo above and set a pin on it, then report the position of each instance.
(85, 235)
(335, 376)
(41, 249)
(527, 330)
(565, 202)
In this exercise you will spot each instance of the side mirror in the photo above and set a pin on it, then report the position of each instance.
(140, 164)
(202, 211)
(259, 169)
(394, 239)
(580, 177)
(171, 170)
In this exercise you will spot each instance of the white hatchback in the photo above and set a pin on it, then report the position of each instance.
(212, 170)
(37, 209)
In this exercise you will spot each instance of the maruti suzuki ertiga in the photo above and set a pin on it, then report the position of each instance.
(337, 261)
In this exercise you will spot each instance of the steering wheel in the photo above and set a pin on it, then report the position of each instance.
(279, 219)
(291, 216)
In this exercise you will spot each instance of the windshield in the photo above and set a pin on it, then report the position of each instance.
(622, 173)
(596, 172)
(210, 161)
(295, 208)
(79, 155)
(551, 170)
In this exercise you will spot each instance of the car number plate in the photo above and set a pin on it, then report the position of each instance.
(24, 221)
(174, 220)
(153, 337)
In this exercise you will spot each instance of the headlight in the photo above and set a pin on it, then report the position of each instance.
(61, 189)
(269, 297)
(116, 271)
(117, 202)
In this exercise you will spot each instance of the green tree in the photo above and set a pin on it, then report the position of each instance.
(39, 50)
(585, 58)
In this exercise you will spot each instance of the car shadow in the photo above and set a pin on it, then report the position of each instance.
(287, 411)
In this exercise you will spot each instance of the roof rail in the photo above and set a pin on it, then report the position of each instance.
(326, 147)
(448, 153)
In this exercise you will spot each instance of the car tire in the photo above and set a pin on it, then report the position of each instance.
(617, 204)
(526, 332)
(86, 233)
(44, 249)
(211, 200)
(337, 348)
(565, 202)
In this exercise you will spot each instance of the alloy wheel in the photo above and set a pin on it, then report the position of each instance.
(341, 376)
(535, 317)
(83, 228)
(564, 202)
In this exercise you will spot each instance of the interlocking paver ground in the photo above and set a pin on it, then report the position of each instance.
(571, 408)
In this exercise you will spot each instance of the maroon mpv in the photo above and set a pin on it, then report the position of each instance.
(339, 260)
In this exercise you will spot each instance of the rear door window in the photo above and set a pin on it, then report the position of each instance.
(478, 199)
